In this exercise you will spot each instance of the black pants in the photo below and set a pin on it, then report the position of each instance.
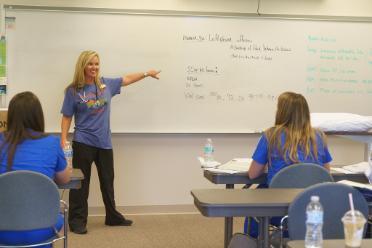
(83, 157)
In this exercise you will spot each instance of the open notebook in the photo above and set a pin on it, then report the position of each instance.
(234, 166)
(352, 168)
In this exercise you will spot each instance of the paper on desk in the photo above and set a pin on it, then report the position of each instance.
(357, 168)
(211, 164)
(368, 174)
(222, 170)
(342, 170)
(242, 160)
(355, 184)
(237, 164)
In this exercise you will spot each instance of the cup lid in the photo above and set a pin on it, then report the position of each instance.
(350, 216)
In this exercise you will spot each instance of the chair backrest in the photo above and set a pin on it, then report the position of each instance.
(335, 201)
(241, 240)
(300, 175)
(28, 200)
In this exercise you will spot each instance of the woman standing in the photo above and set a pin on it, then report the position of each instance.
(88, 99)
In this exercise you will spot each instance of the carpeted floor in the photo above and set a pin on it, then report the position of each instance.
(155, 231)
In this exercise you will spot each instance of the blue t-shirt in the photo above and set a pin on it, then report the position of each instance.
(43, 155)
(278, 162)
(91, 109)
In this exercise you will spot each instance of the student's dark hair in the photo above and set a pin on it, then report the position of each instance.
(25, 121)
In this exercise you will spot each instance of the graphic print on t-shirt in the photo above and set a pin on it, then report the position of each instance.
(95, 104)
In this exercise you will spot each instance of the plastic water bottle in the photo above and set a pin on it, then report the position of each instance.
(68, 153)
(208, 151)
(314, 223)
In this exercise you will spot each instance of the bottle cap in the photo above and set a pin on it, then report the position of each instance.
(314, 198)
(67, 145)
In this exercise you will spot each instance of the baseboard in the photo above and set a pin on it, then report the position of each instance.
(148, 210)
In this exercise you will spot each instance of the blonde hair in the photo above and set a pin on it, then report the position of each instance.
(78, 81)
(293, 120)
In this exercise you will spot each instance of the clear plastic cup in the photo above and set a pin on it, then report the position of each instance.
(353, 228)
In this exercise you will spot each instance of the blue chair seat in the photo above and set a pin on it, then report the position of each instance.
(30, 204)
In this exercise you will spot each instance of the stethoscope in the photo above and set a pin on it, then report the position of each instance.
(84, 97)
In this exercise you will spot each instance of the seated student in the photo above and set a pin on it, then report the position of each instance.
(291, 140)
(25, 146)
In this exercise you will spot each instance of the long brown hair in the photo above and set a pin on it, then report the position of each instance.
(25, 120)
(78, 80)
(293, 120)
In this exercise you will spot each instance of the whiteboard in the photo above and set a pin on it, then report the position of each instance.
(219, 75)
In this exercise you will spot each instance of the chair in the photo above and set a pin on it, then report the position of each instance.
(293, 176)
(335, 201)
(241, 240)
(30, 201)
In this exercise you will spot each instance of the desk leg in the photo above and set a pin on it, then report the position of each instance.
(228, 230)
(229, 186)
(228, 223)
(263, 232)
(265, 227)
(260, 237)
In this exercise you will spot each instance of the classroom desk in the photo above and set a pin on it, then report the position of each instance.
(261, 203)
(329, 243)
(242, 178)
(75, 183)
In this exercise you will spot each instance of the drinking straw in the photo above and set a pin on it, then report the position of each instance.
(352, 205)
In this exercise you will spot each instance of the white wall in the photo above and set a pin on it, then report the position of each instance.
(161, 169)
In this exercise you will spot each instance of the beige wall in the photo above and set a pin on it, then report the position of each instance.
(161, 169)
